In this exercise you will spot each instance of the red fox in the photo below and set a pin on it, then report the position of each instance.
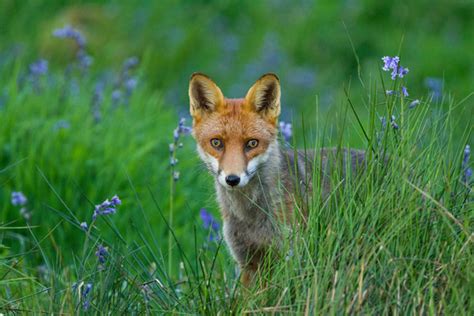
(254, 179)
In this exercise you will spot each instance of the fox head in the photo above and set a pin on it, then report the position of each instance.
(235, 137)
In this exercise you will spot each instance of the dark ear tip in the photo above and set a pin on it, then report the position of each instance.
(270, 74)
(199, 74)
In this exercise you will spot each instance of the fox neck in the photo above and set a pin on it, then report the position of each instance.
(259, 197)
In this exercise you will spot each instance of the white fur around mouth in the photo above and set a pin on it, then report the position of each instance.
(244, 180)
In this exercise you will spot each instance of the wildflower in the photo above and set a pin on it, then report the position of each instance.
(467, 171)
(97, 99)
(129, 85)
(61, 124)
(286, 130)
(404, 91)
(116, 200)
(107, 207)
(435, 86)
(101, 254)
(181, 129)
(210, 223)
(383, 121)
(125, 84)
(116, 97)
(70, 32)
(84, 226)
(84, 61)
(130, 63)
(18, 199)
(39, 67)
(392, 63)
(25, 213)
(85, 296)
(402, 71)
(413, 104)
(393, 123)
(35, 71)
(389, 92)
(173, 162)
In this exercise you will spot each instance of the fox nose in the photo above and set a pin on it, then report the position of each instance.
(232, 180)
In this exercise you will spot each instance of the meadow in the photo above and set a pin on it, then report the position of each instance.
(106, 208)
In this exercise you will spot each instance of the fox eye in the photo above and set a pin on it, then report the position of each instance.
(217, 143)
(252, 143)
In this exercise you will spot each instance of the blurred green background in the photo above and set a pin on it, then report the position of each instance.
(316, 48)
(305, 42)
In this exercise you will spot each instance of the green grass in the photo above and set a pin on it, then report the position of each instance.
(397, 241)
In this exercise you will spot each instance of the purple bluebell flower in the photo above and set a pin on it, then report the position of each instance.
(84, 226)
(107, 207)
(86, 302)
(84, 61)
(286, 130)
(210, 223)
(72, 33)
(435, 87)
(402, 71)
(130, 84)
(183, 129)
(390, 62)
(18, 199)
(405, 91)
(467, 171)
(61, 124)
(180, 130)
(173, 161)
(389, 92)
(116, 97)
(116, 200)
(97, 99)
(130, 63)
(101, 254)
(39, 67)
(176, 134)
(383, 121)
(125, 84)
(393, 64)
(394, 74)
(413, 104)
(393, 123)
(172, 147)
(35, 71)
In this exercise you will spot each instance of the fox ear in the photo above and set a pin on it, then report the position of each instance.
(204, 95)
(264, 97)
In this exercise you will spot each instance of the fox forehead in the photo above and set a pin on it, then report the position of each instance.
(233, 122)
